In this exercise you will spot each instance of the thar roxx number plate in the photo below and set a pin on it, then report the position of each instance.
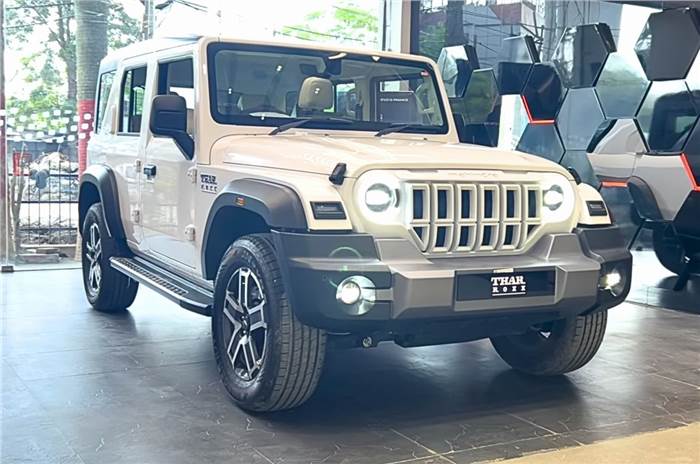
(485, 286)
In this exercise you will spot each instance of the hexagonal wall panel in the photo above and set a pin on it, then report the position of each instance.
(456, 65)
(666, 116)
(668, 44)
(621, 85)
(480, 101)
(543, 92)
(693, 81)
(579, 117)
(613, 150)
(692, 153)
(581, 53)
(542, 140)
(516, 58)
(513, 121)
(578, 160)
(479, 134)
(617, 136)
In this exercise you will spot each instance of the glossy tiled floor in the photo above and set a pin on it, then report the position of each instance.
(84, 387)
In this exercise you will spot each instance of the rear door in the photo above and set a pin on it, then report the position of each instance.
(117, 142)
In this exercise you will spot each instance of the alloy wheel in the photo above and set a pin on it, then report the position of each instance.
(93, 253)
(245, 325)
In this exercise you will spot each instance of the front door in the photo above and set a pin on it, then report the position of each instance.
(168, 179)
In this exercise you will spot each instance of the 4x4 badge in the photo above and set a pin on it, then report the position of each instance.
(208, 183)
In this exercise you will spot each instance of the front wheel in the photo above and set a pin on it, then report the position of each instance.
(556, 347)
(267, 359)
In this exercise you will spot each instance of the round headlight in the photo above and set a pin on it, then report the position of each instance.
(379, 197)
(553, 197)
(558, 198)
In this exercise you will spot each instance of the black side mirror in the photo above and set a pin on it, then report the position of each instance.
(169, 119)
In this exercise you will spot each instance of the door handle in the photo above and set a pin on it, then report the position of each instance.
(150, 171)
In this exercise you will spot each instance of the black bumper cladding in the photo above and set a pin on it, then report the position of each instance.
(549, 282)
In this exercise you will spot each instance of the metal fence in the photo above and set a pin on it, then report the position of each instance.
(44, 204)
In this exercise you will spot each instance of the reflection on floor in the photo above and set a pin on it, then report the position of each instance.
(677, 446)
(653, 285)
(142, 387)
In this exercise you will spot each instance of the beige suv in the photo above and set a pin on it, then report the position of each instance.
(304, 196)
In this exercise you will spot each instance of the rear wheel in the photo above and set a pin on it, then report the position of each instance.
(554, 348)
(106, 288)
(267, 359)
(669, 250)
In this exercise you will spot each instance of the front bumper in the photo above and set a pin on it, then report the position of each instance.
(413, 290)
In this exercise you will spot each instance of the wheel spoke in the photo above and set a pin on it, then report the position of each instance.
(243, 288)
(98, 275)
(231, 300)
(234, 336)
(236, 352)
(254, 356)
(230, 317)
(244, 307)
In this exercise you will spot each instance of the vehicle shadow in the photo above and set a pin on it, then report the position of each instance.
(359, 392)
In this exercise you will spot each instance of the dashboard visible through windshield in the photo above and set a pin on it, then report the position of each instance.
(274, 86)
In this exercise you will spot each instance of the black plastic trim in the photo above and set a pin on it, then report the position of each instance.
(607, 246)
(328, 210)
(686, 221)
(644, 199)
(278, 205)
(597, 208)
(103, 179)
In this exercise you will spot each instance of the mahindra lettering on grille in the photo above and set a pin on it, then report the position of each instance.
(474, 217)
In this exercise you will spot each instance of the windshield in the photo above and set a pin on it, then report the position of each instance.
(273, 86)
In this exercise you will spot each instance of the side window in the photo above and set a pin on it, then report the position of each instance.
(133, 93)
(106, 80)
(177, 78)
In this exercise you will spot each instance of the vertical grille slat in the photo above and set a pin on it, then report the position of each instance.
(473, 217)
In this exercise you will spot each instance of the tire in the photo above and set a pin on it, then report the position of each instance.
(570, 344)
(267, 359)
(669, 250)
(107, 289)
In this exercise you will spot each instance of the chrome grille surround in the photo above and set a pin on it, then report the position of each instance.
(473, 217)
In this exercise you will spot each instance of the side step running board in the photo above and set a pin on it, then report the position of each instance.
(190, 296)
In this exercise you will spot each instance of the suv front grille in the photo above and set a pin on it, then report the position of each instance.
(473, 217)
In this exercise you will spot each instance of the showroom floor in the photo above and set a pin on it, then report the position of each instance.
(142, 387)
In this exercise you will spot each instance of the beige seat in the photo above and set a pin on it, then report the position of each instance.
(315, 96)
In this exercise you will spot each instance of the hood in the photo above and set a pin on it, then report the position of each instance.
(311, 153)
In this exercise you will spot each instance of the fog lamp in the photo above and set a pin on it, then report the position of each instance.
(612, 281)
(357, 293)
(349, 292)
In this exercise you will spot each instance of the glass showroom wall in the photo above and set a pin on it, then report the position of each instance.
(606, 89)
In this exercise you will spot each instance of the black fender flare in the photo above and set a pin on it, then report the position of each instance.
(644, 199)
(103, 179)
(278, 205)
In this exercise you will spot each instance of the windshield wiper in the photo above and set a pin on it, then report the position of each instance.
(302, 121)
(398, 128)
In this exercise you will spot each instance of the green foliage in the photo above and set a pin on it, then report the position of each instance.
(37, 111)
(346, 22)
(51, 73)
(431, 40)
